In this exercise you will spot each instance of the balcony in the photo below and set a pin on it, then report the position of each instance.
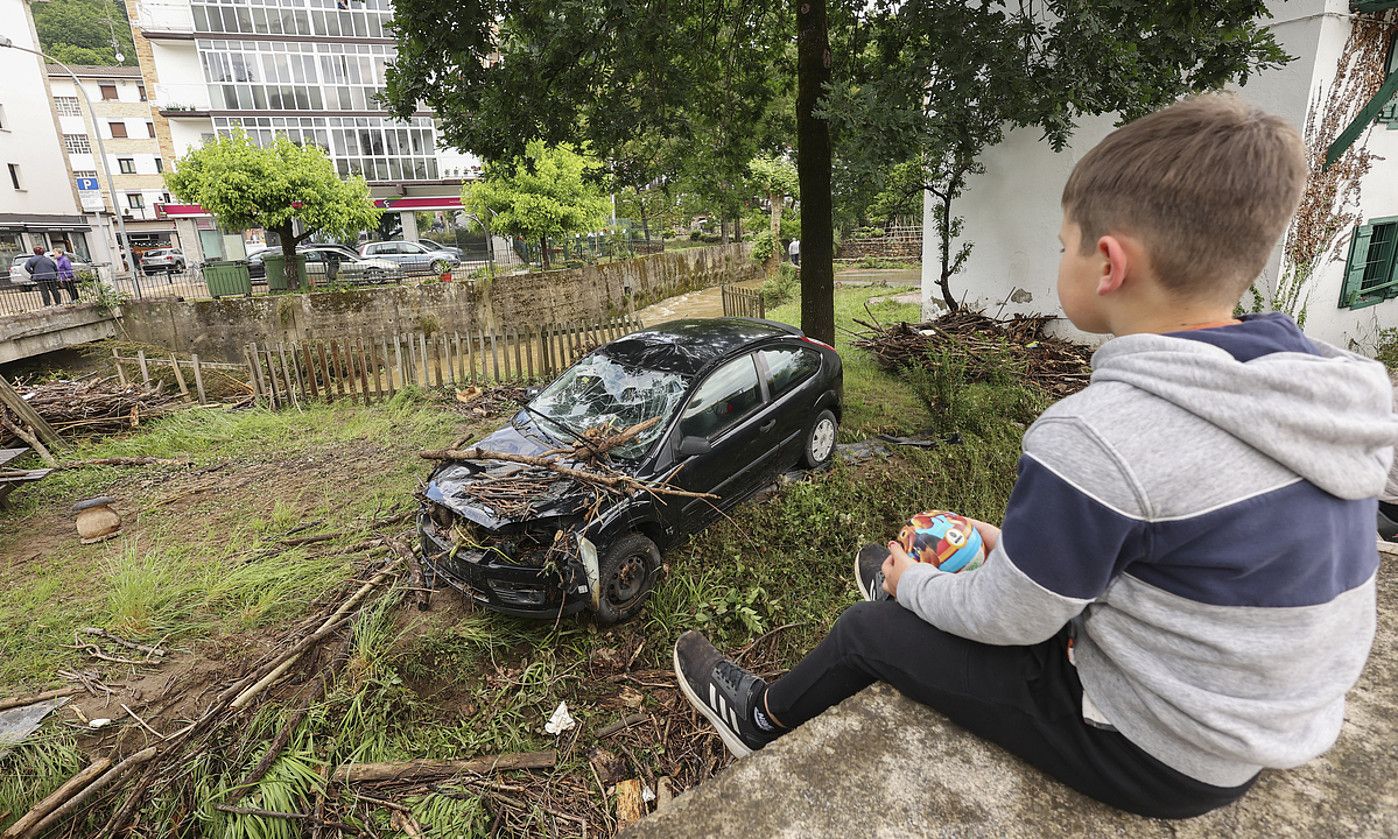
(181, 99)
(157, 19)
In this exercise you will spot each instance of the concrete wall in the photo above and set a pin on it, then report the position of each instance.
(53, 328)
(1012, 210)
(220, 329)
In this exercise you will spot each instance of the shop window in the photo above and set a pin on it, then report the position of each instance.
(127, 165)
(118, 130)
(11, 245)
(1371, 271)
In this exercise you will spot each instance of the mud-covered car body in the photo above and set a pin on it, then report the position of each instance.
(737, 400)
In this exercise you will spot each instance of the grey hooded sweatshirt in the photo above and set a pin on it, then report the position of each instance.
(1203, 514)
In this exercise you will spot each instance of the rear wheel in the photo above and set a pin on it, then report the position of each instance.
(820, 440)
(440, 266)
(626, 575)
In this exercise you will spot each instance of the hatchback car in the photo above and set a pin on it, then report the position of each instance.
(413, 256)
(166, 260)
(345, 265)
(739, 401)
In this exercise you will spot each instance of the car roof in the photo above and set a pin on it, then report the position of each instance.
(689, 346)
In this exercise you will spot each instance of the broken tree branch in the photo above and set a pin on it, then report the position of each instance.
(22, 701)
(361, 773)
(58, 796)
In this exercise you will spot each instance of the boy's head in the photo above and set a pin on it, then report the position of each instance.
(1176, 212)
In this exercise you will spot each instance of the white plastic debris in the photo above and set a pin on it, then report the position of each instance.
(100, 722)
(561, 720)
(647, 794)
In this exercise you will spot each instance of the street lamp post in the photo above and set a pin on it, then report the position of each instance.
(125, 241)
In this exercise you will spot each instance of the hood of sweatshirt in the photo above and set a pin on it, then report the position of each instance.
(1324, 413)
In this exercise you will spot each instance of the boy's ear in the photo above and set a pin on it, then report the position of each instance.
(1112, 252)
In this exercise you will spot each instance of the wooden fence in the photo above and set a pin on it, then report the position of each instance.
(742, 302)
(143, 364)
(374, 369)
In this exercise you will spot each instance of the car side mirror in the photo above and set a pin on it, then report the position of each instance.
(691, 446)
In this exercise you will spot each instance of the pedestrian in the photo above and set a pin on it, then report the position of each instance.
(793, 250)
(45, 272)
(66, 278)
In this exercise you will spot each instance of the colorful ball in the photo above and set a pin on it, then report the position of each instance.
(945, 540)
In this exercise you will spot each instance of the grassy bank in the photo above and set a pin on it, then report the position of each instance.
(203, 567)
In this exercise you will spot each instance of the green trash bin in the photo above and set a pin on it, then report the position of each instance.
(275, 263)
(227, 278)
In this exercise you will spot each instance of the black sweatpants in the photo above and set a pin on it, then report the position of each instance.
(1026, 699)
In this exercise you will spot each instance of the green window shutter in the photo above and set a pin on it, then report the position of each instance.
(1354, 266)
(1389, 114)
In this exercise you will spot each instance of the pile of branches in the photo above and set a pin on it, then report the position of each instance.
(90, 405)
(489, 401)
(511, 492)
(986, 346)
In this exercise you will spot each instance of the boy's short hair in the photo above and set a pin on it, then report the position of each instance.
(1207, 184)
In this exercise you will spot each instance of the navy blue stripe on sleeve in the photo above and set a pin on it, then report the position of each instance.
(1063, 539)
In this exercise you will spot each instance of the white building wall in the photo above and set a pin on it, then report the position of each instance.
(1012, 211)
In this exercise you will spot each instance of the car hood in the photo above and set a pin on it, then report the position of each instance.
(448, 483)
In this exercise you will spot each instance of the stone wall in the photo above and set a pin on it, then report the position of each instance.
(896, 243)
(220, 329)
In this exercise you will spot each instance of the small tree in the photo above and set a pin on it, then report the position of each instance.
(245, 185)
(776, 178)
(547, 192)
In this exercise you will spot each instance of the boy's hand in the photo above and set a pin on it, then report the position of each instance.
(990, 534)
(898, 561)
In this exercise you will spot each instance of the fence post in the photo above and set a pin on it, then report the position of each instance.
(198, 378)
(116, 362)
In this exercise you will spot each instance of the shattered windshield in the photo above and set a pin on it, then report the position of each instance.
(599, 391)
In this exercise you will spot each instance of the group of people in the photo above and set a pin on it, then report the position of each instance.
(52, 273)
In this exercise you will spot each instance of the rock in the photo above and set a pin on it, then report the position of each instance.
(880, 765)
(96, 520)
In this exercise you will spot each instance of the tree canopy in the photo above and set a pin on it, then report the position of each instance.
(245, 185)
(885, 81)
(546, 192)
(85, 31)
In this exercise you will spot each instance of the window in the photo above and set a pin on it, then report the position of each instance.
(118, 129)
(159, 165)
(135, 200)
(127, 165)
(67, 106)
(77, 144)
(1371, 272)
(109, 92)
(141, 91)
(1389, 114)
(788, 368)
(14, 176)
(85, 173)
(729, 394)
(2, 118)
(150, 129)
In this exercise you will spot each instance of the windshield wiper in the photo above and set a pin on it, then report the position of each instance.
(535, 412)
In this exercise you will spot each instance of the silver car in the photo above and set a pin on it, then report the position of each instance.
(347, 266)
(167, 260)
(21, 278)
(413, 256)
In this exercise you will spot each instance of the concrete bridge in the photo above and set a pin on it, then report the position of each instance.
(54, 328)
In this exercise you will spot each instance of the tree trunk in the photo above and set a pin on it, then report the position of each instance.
(645, 226)
(722, 230)
(293, 281)
(813, 160)
(544, 252)
(944, 233)
(777, 201)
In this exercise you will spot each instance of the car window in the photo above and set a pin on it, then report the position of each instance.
(374, 248)
(789, 367)
(730, 393)
(411, 247)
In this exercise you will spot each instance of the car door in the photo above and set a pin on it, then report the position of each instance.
(417, 257)
(725, 410)
(790, 372)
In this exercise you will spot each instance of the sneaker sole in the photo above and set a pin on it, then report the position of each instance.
(730, 740)
(858, 583)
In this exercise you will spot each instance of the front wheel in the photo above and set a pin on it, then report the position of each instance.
(820, 440)
(626, 575)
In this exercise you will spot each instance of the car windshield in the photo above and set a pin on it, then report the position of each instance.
(601, 391)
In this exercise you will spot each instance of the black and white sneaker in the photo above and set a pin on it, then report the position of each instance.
(868, 572)
(721, 691)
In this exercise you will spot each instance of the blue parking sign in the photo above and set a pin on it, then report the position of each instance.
(85, 184)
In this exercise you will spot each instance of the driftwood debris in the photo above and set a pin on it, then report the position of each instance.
(57, 797)
(417, 770)
(630, 805)
(94, 404)
(22, 701)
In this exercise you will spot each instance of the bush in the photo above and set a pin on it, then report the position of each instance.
(762, 247)
(957, 405)
(780, 288)
(695, 235)
(1386, 348)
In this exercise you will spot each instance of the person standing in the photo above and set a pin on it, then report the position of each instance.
(66, 278)
(45, 272)
(793, 250)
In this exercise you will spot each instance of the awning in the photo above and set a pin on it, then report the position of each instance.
(428, 202)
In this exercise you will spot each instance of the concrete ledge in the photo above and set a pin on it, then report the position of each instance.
(881, 765)
(53, 328)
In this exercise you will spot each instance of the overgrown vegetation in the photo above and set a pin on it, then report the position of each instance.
(201, 567)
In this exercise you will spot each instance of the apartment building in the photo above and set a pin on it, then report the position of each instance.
(126, 125)
(38, 200)
(307, 68)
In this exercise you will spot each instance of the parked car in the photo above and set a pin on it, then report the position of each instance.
(166, 260)
(20, 278)
(449, 250)
(739, 401)
(413, 256)
(345, 265)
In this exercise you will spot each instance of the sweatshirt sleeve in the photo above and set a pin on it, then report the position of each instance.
(1072, 524)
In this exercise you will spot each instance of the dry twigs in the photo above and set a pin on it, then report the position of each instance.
(94, 405)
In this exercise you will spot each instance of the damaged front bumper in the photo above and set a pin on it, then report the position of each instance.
(489, 578)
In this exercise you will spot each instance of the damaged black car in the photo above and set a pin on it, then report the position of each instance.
(732, 403)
